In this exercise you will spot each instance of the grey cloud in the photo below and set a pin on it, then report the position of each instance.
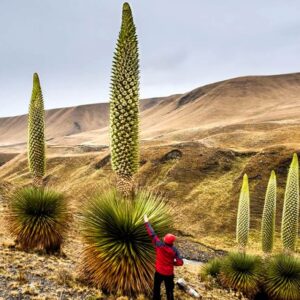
(183, 44)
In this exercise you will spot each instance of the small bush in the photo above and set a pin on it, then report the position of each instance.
(119, 256)
(283, 278)
(242, 272)
(212, 268)
(38, 218)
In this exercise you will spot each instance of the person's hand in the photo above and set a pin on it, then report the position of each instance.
(146, 219)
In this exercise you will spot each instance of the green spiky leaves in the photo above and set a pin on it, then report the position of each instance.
(38, 218)
(242, 272)
(243, 217)
(119, 255)
(268, 218)
(283, 278)
(212, 268)
(124, 100)
(36, 133)
(289, 226)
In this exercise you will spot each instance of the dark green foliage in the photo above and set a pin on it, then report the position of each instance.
(36, 133)
(38, 218)
(212, 268)
(290, 217)
(124, 100)
(283, 278)
(119, 255)
(242, 272)
(268, 218)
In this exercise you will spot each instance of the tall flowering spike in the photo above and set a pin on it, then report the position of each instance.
(243, 218)
(124, 104)
(36, 133)
(289, 225)
(268, 218)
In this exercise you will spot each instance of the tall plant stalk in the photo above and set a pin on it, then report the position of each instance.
(268, 218)
(243, 217)
(36, 133)
(290, 217)
(124, 104)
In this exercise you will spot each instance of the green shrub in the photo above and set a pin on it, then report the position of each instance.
(211, 268)
(243, 217)
(38, 218)
(242, 272)
(290, 216)
(119, 255)
(268, 218)
(36, 133)
(124, 104)
(283, 278)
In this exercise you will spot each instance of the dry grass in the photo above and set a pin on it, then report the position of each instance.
(202, 186)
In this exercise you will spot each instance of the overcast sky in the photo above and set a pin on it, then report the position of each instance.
(183, 44)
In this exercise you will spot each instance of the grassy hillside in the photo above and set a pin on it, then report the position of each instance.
(201, 183)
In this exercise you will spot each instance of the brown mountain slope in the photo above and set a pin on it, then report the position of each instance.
(215, 133)
(241, 113)
(264, 103)
(63, 121)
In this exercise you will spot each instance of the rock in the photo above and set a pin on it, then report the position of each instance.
(103, 162)
(174, 154)
(91, 148)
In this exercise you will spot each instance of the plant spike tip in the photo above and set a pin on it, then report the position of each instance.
(243, 218)
(36, 133)
(126, 6)
(289, 225)
(268, 218)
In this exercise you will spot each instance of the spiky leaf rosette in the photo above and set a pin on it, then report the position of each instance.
(289, 225)
(119, 255)
(268, 218)
(211, 268)
(124, 101)
(36, 133)
(242, 272)
(243, 217)
(38, 218)
(283, 278)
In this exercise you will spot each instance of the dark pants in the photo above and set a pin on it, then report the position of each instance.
(169, 284)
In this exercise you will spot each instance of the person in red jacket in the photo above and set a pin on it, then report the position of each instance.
(167, 256)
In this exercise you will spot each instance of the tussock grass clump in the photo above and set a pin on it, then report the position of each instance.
(283, 278)
(119, 256)
(212, 268)
(38, 218)
(242, 272)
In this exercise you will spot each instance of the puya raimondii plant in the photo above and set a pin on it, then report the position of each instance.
(124, 104)
(38, 218)
(289, 225)
(282, 277)
(268, 218)
(243, 217)
(119, 256)
(36, 133)
(242, 272)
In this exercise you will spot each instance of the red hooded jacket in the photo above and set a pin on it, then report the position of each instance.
(167, 256)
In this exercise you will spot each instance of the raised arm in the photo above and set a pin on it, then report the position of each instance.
(155, 240)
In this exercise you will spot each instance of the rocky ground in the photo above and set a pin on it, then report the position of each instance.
(35, 275)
